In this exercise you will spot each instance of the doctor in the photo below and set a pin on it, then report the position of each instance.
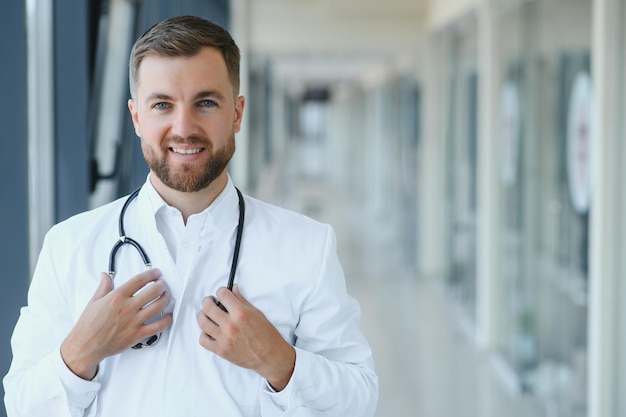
(284, 342)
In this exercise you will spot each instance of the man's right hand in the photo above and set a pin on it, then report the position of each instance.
(115, 320)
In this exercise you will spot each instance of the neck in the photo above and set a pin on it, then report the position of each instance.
(190, 203)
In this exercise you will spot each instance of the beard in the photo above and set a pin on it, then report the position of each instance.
(188, 177)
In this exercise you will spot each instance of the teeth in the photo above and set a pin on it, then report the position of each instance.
(186, 151)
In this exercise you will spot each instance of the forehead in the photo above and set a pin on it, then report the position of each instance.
(205, 69)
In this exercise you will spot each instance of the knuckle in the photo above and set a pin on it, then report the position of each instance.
(125, 311)
(117, 297)
(239, 316)
(231, 329)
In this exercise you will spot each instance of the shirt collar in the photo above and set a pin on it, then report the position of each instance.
(222, 209)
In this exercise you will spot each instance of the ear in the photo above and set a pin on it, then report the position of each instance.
(134, 115)
(240, 103)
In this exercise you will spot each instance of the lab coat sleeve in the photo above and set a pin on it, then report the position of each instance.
(38, 382)
(334, 372)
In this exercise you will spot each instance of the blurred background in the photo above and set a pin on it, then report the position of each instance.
(467, 152)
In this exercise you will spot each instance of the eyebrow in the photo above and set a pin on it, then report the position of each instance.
(201, 95)
(209, 94)
(158, 96)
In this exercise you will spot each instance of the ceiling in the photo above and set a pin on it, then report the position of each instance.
(317, 42)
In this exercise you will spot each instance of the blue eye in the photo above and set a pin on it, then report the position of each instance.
(208, 103)
(161, 106)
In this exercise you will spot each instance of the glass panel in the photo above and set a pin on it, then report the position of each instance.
(461, 137)
(408, 122)
(620, 191)
(563, 197)
(546, 100)
(515, 336)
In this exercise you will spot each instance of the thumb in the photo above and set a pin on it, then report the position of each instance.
(105, 286)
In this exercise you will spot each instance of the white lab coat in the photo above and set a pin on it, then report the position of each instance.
(288, 268)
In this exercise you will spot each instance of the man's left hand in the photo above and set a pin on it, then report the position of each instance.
(243, 335)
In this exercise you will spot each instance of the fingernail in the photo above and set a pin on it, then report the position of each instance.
(157, 273)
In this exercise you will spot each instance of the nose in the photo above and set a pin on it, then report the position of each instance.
(184, 123)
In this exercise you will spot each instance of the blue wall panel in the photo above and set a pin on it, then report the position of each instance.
(71, 103)
(13, 175)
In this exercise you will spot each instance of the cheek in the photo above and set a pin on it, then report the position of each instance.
(222, 130)
(150, 129)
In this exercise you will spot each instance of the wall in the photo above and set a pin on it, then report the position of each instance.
(13, 175)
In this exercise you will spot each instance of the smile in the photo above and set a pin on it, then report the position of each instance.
(186, 151)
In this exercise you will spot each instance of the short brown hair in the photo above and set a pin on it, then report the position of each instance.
(184, 36)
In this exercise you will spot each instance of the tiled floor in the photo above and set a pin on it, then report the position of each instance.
(427, 364)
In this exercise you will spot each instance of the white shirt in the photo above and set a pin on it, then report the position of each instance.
(288, 268)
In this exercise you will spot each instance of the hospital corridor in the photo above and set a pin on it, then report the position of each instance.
(424, 353)
(467, 153)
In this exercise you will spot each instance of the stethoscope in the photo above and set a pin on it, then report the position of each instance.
(125, 240)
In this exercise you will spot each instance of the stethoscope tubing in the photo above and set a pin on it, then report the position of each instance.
(125, 240)
(242, 216)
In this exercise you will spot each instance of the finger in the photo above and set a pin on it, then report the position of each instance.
(139, 281)
(105, 286)
(156, 326)
(207, 303)
(154, 308)
(208, 342)
(213, 312)
(150, 292)
(213, 308)
(239, 296)
(227, 298)
(243, 300)
(208, 326)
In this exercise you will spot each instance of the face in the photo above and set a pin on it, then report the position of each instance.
(186, 114)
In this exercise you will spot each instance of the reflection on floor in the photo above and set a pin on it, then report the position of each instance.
(427, 364)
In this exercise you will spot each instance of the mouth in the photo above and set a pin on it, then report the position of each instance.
(183, 151)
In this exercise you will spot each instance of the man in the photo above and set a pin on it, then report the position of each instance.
(284, 342)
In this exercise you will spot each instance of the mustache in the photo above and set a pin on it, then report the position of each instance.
(189, 140)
